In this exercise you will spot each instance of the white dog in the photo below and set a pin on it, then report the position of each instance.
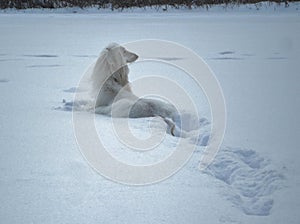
(112, 93)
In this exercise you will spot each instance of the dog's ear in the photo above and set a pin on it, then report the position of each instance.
(108, 56)
(115, 59)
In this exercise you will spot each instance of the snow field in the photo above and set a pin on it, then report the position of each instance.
(254, 178)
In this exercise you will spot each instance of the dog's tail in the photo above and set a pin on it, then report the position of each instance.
(171, 126)
(173, 129)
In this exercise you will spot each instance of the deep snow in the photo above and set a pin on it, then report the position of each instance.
(255, 176)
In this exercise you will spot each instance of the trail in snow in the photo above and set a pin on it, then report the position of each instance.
(248, 179)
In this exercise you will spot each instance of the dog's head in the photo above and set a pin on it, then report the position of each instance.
(112, 66)
(117, 56)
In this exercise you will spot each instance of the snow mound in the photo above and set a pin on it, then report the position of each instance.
(249, 179)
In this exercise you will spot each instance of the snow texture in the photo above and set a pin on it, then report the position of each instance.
(255, 175)
(249, 178)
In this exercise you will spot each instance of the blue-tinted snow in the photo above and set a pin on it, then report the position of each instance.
(255, 176)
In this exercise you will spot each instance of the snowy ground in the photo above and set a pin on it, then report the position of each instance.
(255, 176)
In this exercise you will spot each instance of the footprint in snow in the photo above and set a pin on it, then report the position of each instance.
(249, 179)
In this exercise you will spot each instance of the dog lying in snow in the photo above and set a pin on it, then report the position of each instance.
(112, 93)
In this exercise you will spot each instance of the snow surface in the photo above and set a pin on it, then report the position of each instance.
(255, 176)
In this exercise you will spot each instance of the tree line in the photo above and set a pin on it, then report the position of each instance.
(121, 4)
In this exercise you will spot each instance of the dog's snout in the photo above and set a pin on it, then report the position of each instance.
(135, 57)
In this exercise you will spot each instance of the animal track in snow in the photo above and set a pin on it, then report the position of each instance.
(250, 179)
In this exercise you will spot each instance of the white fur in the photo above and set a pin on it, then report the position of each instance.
(111, 88)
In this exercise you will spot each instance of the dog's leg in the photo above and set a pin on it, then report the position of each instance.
(106, 110)
(174, 130)
(171, 126)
